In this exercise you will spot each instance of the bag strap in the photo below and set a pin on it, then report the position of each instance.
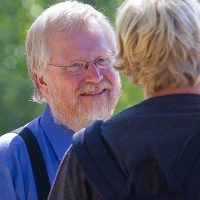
(189, 158)
(37, 163)
(96, 161)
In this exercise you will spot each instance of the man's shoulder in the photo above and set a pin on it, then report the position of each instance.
(11, 143)
(71, 176)
(13, 140)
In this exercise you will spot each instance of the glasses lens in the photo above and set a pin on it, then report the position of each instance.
(105, 61)
(76, 67)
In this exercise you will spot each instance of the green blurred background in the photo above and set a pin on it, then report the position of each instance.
(16, 16)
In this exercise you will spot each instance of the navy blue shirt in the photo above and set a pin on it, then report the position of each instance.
(16, 177)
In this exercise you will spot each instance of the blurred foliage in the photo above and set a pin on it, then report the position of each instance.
(16, 109)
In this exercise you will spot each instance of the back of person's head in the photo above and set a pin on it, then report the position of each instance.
(65, 17)
(159, 43)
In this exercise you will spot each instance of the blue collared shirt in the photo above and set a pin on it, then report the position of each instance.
(16, 176)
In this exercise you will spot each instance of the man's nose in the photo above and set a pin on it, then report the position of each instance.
(93, 73)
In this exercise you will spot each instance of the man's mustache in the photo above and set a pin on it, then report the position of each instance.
(91, 87)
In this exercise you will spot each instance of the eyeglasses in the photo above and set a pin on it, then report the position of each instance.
(79, 66)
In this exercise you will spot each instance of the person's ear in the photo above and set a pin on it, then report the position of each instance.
(41, 83)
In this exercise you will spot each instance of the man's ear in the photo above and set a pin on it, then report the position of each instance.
(41, 83)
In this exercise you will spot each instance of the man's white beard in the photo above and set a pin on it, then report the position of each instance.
(77, 115)
(80, 115)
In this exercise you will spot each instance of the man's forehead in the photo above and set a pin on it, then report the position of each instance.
(80, 44)
(86, 56)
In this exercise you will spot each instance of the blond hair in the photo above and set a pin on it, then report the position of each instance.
(65, 17)
(159, 43)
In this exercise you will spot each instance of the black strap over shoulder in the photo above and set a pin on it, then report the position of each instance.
(188, 166)
(38, 164)
(188, 158)
(97, 162)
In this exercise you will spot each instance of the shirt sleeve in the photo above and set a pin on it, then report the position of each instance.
(71, 183)
(8, 175)
(7, 190)
(16, 179)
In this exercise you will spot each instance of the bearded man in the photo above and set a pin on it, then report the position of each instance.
(70, 51)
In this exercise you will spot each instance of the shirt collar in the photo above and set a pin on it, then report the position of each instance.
(60, 136)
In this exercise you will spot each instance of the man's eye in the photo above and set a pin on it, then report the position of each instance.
(105, 61)
(75, 67)
(102, 61)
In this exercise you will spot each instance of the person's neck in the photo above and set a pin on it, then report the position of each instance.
(184, 90)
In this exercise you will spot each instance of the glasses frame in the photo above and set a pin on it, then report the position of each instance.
(86, 64)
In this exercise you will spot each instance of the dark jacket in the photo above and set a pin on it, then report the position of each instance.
(159, 127)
